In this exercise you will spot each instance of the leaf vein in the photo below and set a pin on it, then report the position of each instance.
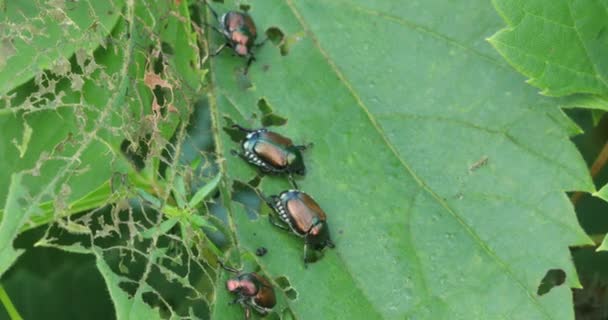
(406, 166)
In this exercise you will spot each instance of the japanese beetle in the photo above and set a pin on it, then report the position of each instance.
(252, 291)
(240, 33)
(272, 152)
(304, 217)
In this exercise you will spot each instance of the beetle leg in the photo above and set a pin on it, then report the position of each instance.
(240, 154)
(219, 49)
(257, 45)
(249, 61)
(236, 126)
(216, 29)
(228, 268)
(276, 223)
(247, 313)
(270, 201)
(293, 182)
(306, 253)
(305, 146)
(330, 243)
(212, 11)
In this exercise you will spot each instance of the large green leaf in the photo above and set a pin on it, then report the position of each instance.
(34, 35)
(561, 45)
(65, 135)
(442, 173)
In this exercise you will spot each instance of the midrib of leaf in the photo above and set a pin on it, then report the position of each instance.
(408, 168)
(263, 266)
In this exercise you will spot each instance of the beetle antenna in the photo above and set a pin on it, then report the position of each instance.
(228, 268)
(257, 45)
(249, 61)
(236, 126)
(212, 11)
(219, 50)
(274, 222)
(305, 146)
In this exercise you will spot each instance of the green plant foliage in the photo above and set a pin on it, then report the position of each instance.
(441, 171)
(89, 125)
(561, 45)
(41, 35)
(443, 174)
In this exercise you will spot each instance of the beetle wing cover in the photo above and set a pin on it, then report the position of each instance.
(278, 139)
(265, 296)
(275, 155)
(303, 210)
(313, 205)
(248, 21)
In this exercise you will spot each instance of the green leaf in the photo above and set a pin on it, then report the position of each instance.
(36, 35)
(50, 137)
(561, 45)
(160, 229)
(11, 224)
(126, 307)
(205, 191)
(441, 171)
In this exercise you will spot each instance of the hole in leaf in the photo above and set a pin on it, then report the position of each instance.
(269, 118)
(166, 48)
(283, 282)
(255, 182)
(247, 196)
(553, 278)
(289, 41)
(245, 7)
(275, 35)
(128, 287)
(291, 293)
(235, 135)
(136, 153)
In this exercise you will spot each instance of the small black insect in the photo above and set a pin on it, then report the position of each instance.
(261, 251)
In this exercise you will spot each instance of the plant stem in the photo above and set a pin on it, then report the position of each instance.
(597, 166)
(8, 305)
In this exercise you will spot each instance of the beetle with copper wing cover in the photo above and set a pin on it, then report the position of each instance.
(272, 152)
(303, 216)
(252, 291)
(240, 33)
